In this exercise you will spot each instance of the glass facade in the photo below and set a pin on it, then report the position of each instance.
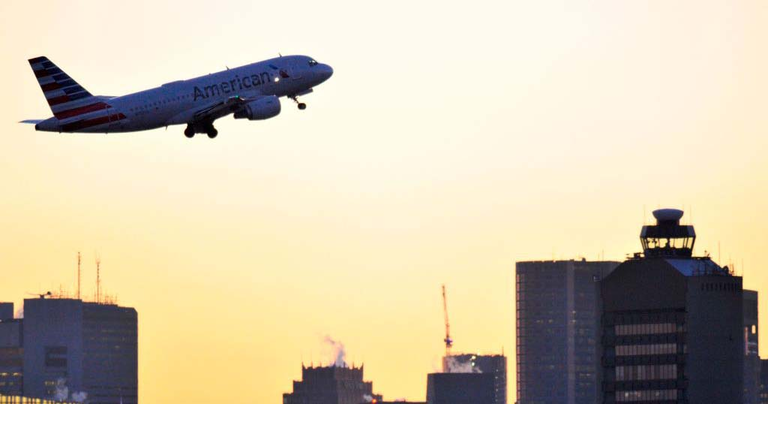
(556, 328)
(110, 345)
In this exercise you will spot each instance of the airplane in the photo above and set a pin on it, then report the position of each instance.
(250, 92)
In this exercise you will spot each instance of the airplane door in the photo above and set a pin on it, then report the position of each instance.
(112, 125)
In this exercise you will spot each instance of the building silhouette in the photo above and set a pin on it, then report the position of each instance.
(671, 323)
(74, 351)
(495, 365)
(557, 330)
(11, 352)
(335, 384)
(764, 381)
(461, 388)
(751, 349)
(6, 311)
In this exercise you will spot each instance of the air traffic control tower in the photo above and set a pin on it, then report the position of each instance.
(671, 324)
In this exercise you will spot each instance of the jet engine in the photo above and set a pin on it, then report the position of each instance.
(260, 109)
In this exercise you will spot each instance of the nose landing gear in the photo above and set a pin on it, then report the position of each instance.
(302, 105)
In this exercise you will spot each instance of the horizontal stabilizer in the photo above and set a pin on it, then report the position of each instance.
(34, 122)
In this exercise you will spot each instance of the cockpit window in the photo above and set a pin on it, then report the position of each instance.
(312, 63)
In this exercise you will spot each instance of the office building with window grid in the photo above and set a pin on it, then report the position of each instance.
(556, 329)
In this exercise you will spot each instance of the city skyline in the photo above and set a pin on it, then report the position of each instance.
(433, 156)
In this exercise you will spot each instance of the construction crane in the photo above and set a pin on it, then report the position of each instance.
(448, 341)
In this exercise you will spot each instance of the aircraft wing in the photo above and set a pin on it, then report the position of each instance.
(221, 109)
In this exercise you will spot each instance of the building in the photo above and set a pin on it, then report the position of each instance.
(764, 381)
(6, 311)
(495, 365)
(335, 384)
(77, 351)
(11, 352)
(557, 327)
(461, 388)
(671, 323)
(751, 349)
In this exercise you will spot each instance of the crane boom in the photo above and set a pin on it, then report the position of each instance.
(448, 341)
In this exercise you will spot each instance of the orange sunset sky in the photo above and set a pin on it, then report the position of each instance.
(454, 139)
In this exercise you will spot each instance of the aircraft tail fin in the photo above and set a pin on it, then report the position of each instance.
(65, 96)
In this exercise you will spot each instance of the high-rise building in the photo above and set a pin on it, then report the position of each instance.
(73, 350)
(461, 388)
(11, 352)
(335, 384)
(751, 349)
(495, 365)
(557, 328)
(671, 323)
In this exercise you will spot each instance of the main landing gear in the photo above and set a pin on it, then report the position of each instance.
(302, 105)
(211, 131)
(207, 128)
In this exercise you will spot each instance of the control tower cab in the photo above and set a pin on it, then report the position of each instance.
(668, 238)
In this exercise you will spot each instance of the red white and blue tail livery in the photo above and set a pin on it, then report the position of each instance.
(249, 92)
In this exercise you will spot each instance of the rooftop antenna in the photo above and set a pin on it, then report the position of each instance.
(448, 341)
(98, 279)
(78, 275)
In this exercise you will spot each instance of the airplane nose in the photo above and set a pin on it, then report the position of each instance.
(326, 71)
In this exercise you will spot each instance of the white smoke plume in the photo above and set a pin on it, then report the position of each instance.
(79, 397)
(61, 393)
(454, 365)
(367, 398)
(338, 352)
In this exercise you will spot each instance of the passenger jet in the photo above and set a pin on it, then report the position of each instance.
(250, 92)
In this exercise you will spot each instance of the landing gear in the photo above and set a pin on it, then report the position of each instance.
(196, 128)
(211, 131)
(302, 105)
